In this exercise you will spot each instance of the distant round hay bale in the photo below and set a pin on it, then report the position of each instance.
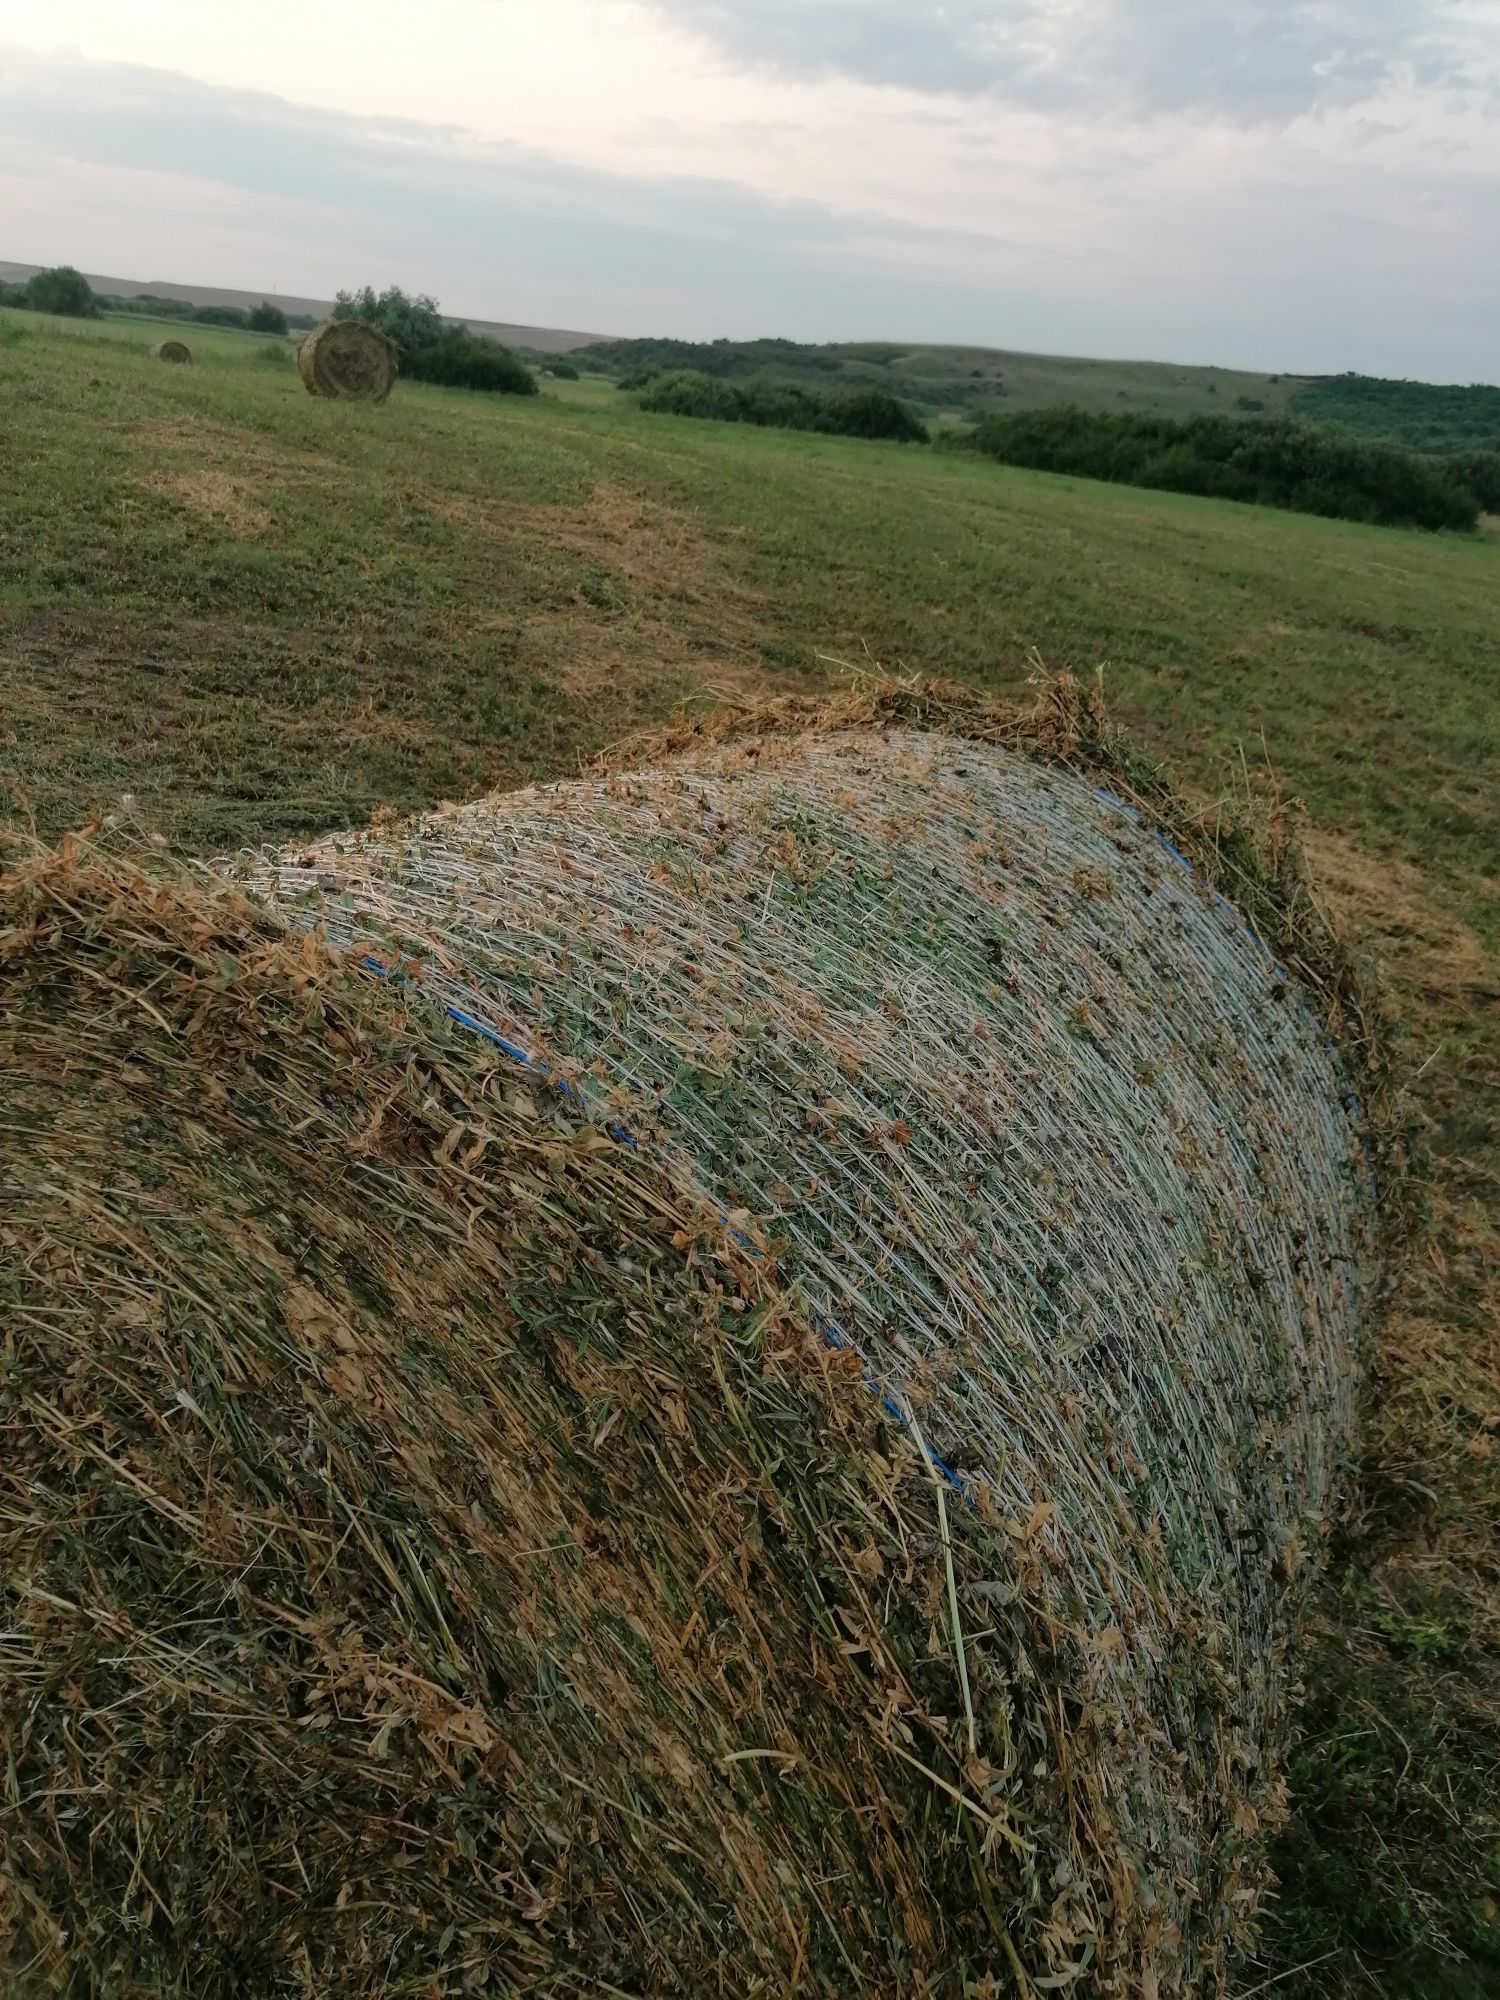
(723, 1379)
(344, 357)
(176, 351)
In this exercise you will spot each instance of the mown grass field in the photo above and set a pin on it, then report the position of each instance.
(264, 615)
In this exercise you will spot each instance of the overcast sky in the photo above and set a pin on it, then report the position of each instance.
(1299, 184)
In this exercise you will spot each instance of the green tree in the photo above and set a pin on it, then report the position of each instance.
(62, 290)
(266, 318)
(411, 322)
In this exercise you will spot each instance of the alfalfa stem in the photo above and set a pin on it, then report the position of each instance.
(958, 1630)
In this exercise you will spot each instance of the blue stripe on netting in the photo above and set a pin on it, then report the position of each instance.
(560, 1084)
(834, 1338)
(832, 1335)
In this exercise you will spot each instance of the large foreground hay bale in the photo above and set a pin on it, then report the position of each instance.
(750, 1415)
(344, 357)
(176, 351)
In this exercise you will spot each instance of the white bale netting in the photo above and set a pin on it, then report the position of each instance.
(1039, 1128)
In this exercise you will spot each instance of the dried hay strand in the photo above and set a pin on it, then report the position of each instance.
(176, 351)
(449, 1538)
(344, 357)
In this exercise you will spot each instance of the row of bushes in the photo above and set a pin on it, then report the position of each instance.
(429, 349)
(865, 413)
(264, 318)
(68, 292)
(1272, 463)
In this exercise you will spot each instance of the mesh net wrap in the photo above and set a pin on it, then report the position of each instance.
(1027, 1115)
(941, 1054)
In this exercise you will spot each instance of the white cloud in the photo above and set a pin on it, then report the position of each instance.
(1247, 60)
(642, 181)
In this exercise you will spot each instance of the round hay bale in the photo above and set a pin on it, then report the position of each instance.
(718, 1379)
(344, 357)
(176, 351)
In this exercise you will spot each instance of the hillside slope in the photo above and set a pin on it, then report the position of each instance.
(952, 384)
(961, 382)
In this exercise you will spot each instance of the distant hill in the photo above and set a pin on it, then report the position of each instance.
(957, 384)
(541, 339)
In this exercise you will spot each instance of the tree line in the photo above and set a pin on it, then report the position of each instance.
(264, 318)
(68, 293)
(1443, 417)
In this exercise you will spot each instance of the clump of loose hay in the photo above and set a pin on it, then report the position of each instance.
(733, 1396)
(344, 357)
(176, 351)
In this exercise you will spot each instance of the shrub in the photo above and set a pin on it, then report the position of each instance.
(1272, 462)
(871, 413)
(778, 405)
(1480, 472)
(765, 400)
(462, 360)
(62, 290)
(266, 318)
(235, 316)
(683, 392)
(564, 370)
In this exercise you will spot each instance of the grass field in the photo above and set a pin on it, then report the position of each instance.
(265, 615)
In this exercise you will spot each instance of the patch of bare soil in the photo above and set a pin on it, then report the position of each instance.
(1427, 950)
(221, 496)
(630, 585)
